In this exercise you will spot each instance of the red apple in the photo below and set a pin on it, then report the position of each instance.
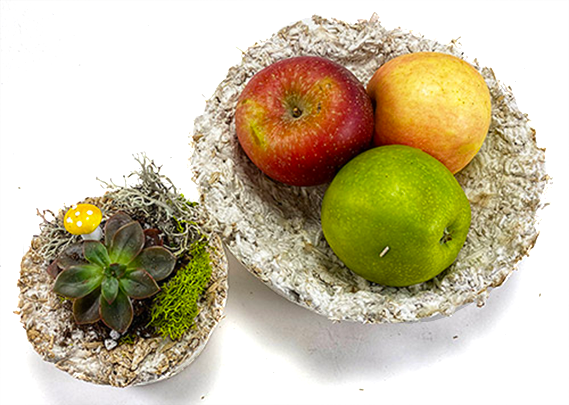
(300, 119)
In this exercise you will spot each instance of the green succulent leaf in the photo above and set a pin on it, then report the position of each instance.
(115, 270)
(78, 281)
(72, 255)
(114, 224)
(109, 289)
(156, 260)
(95, 252)
(53, 269)
(86, 309)
(127, 243)
(119, 314)
(138, 284)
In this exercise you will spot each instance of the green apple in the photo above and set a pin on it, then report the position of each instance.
(395, 215)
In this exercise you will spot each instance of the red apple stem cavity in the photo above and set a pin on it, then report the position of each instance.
(296, 112)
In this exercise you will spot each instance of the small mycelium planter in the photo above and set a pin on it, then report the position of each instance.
(124, 289)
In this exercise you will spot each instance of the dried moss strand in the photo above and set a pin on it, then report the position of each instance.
(154, 198)
(53, 237)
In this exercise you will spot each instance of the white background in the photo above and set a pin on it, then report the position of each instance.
(85, 85)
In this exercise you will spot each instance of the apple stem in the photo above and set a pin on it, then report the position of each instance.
(296, 112)
(384, 251)
(447, 236)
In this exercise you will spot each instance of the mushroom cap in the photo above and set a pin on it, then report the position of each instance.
(82, 219)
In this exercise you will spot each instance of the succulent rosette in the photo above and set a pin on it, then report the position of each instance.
(114, 273)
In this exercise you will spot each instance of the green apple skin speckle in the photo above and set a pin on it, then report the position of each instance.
(395, 215)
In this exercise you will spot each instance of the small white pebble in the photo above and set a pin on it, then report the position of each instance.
(79, 223)
(110, 344)
(115, 335)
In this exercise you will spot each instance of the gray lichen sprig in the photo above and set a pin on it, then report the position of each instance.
(156, 197)
(117, 271)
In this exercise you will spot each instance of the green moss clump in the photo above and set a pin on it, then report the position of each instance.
(175, 308)
(128, 339)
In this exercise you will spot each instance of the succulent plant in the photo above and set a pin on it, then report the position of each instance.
(115, 272)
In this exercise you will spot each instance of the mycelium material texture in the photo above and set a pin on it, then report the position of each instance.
(275, 230)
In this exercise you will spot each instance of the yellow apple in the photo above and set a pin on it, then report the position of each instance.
(431, 101)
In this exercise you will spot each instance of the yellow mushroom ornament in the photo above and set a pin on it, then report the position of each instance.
(84, 220)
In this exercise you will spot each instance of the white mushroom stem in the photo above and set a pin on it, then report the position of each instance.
(97, 234)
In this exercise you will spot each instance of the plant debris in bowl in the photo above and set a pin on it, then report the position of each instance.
(130, 305)
(275, 229)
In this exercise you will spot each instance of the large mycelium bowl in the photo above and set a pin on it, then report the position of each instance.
(94, 353)
(275, 230)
